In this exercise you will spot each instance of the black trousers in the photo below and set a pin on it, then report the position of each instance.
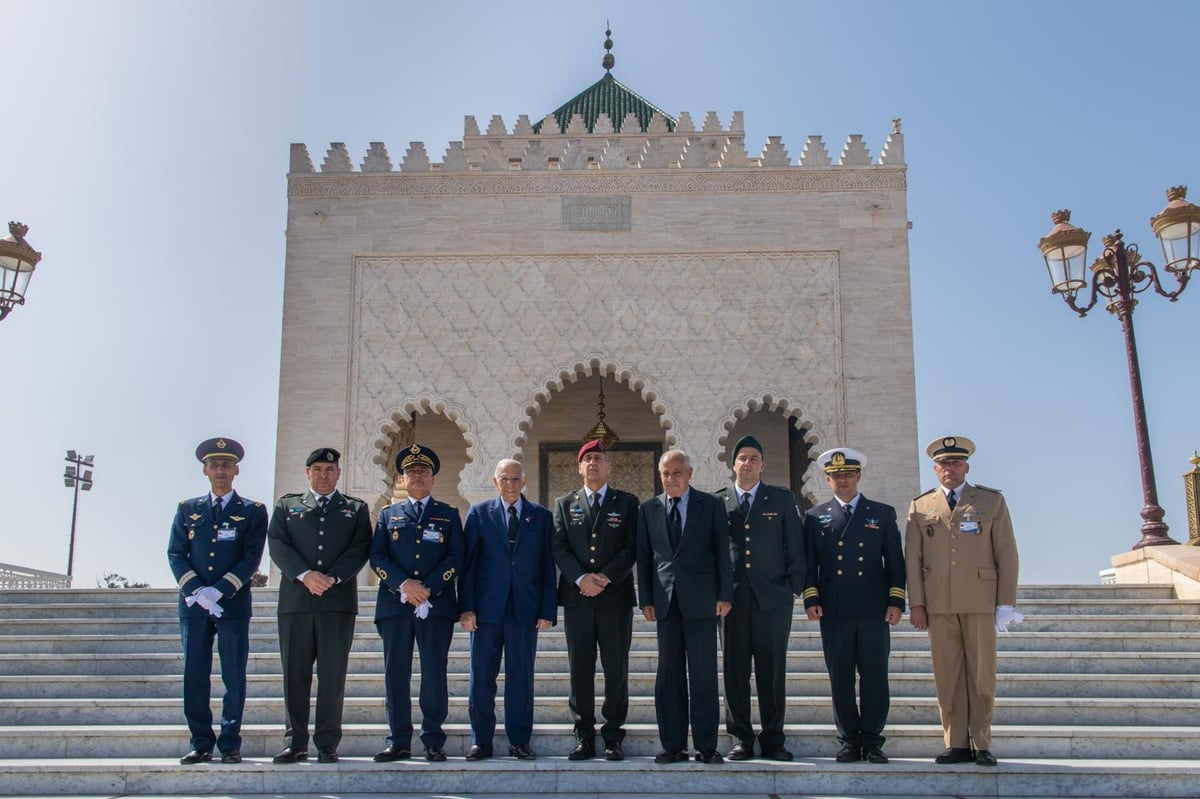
(686, 682)
(762, 635)
(858, 647)
(609, 630)
(323, 639)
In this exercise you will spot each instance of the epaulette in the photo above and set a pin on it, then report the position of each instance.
(285, 496)
(918, 496)
(353, 499)
(258, 504)
(183, 502)
(987, 488)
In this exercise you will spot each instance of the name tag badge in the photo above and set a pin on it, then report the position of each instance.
(226, 534)
(969, 528)
(432, 536)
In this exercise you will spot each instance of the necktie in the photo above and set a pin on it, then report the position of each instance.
(216, 507)
(847, 511)
(418, 509)
(746, 504)
(321, 503)
(674, 524)
(512, 528)
(950, 499)
(595, 503)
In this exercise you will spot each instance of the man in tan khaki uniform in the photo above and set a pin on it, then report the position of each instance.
(962, 584)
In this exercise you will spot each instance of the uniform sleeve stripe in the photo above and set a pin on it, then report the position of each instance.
(897, 592)
(187, 577)
(234, 580)
(809, 593)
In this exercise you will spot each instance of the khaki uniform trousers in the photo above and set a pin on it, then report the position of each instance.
(964, 672)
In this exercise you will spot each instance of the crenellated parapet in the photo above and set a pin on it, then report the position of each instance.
(660, 144)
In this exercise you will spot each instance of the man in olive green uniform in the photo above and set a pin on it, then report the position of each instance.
(961, 560)
(319, 540)
(766, 542)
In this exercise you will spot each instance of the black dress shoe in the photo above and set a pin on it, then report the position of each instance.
(671, 756)
(327, 754)
(584, 750)
(742, 751)
(777, 753)
(479, 752)
(195, 756)
(232, 756)
(521, 752)
(984, 757)
(435, 754)
(873, 754)
(849, 753)
(290, 755)
(393, 752)
(710, 756)
(955, 754)
(614, 751)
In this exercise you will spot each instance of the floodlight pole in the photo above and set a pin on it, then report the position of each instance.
(76, 477)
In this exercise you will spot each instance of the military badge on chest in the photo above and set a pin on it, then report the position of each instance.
(614, 519)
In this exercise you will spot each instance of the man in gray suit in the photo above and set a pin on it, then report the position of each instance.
(685, 583)
(319, 540)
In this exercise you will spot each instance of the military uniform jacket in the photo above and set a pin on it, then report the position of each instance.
(854, 569)
(583, 543)
(221, 552)
(429, 549)
(337, 543)
(963, 561)
(767, 548)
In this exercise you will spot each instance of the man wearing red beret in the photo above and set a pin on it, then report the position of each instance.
(595, 547)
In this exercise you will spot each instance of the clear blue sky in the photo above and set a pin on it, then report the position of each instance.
(146, 146)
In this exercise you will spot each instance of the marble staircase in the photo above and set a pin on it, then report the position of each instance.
(1099, 695)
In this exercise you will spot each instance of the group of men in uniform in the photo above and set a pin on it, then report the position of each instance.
(712, 571)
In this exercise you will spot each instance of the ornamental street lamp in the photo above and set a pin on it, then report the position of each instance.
(1118, 275)
(77, 477)
(17, 262)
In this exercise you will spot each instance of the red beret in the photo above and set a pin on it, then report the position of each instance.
(595, 445)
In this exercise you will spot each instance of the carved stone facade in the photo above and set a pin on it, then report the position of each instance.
(715, 294)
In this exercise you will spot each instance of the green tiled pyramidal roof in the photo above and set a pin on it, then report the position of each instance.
(610, 96)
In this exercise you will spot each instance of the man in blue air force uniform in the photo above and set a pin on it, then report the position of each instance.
(855, 586)
(216, 544)
(416, 553)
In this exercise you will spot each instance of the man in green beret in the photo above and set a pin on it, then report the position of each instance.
(766, 541)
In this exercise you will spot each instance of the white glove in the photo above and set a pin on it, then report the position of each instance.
(423, 609)
(1006, 615)
(209, 599)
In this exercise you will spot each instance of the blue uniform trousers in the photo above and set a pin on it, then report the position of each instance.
(858, 646)
(432, 636)
(233, 647)
(517, 642)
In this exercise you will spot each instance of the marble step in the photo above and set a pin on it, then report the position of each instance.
(815, 683)
(556, 662)
(554, 709)
(802, 639)
(144, 610)
(265, 596)
(805, 740)
(1182, 623)
(635, 777)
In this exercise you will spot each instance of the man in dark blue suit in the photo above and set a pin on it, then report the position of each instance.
(216, 544)
(416, 553)
(507, 597)
(685, 583)
(854, 584)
